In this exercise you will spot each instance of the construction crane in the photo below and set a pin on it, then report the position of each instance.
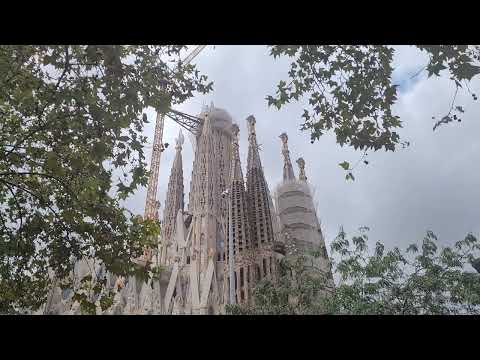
(190, 123)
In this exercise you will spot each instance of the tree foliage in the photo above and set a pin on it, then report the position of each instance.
(72, 117)
(421, 280)
(296, 291)
(350, 91)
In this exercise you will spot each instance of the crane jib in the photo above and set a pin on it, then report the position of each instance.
(188, 122)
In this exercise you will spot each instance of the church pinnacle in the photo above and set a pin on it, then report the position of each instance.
(253, 156)
(175, 198)
(258, 202)
(287, 164)
(236, 168)
(240, 226)
(301, 166)
(207, 189)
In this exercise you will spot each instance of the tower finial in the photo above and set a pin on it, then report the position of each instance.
(204, 107)
(251, 120)
(253, 156)
(236, 169)
(301, 165)
(180, 140)
(235, 131)
(288, 173)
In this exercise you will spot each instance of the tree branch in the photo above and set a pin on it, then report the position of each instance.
(40, 114)
(18, 205)
(38, 197)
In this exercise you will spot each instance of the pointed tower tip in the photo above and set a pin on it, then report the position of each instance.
(301, 166)
(235, 129)
(251, 125)
(288, 173)
(253, 156)
(236, 169)
(206, 127)
(204, 108)
(180, 140)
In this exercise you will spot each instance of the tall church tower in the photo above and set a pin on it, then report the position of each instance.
(259, 212)
(297, 214)
(210, 176)
(205, 213)
(244, 255)
(174, 201)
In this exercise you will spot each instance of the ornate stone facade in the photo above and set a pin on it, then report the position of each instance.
(193, 250)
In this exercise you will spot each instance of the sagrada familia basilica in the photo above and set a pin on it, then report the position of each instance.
(223, 206)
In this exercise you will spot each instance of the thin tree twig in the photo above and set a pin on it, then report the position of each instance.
(446, 118)
(419, 72)
(18, 206)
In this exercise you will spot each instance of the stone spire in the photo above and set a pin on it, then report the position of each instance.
(301, 166)
(240, 226)
(205, 192)
(287, 164)
(205, 198)
(175, 197)
(259, 207)
(235, 168)
(206, 237)
(210, 168)
(253, 156)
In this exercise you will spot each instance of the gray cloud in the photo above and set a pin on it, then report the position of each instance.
(433, 184)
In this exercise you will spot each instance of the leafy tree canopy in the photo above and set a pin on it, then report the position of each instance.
(349, 90)
(423, 279)
(71, 116)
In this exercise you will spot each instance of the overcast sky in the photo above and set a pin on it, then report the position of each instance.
(432, 185)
